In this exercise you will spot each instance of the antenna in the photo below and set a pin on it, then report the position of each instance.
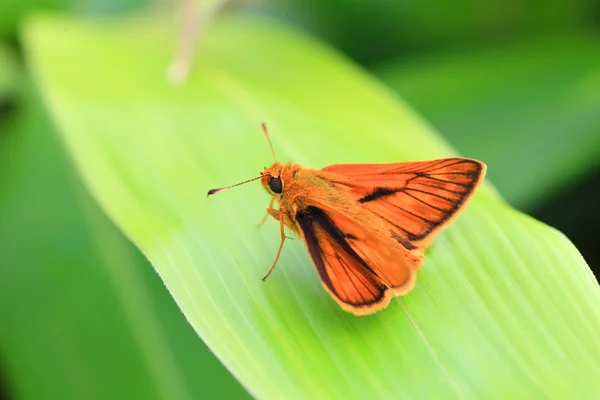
(264, 128)
(213, 191)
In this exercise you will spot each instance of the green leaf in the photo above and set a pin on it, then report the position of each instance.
(83, 315)
(504, 305)
(529, 110)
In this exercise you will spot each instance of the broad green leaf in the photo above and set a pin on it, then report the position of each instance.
(504, 306)
(83, 315)
(530, 110)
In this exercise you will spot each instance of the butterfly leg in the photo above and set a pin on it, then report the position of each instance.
(277, 214)
(262, 221)
(273, 213)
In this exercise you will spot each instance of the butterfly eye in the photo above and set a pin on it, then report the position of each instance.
(276, 185)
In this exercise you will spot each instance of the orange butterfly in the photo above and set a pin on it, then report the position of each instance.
(366, 226)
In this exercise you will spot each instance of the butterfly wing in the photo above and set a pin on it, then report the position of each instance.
(352, 263)
(415, 199)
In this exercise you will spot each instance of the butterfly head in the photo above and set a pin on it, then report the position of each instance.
(272, 180)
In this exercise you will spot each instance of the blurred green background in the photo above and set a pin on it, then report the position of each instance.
(83, 314)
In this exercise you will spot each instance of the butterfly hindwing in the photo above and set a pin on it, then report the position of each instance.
(358, 272)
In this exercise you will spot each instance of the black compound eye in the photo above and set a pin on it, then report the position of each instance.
(276, 185)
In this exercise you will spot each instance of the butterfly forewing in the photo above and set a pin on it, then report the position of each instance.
(415, 199)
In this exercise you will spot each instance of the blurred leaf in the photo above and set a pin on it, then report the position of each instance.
(83, 315)
(504, 307)
(531, 111)
(9, 73)
(381, 29)
(12, 11)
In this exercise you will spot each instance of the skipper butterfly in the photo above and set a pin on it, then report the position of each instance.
(366, 226)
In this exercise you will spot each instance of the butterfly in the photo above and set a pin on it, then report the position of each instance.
(366, 226)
